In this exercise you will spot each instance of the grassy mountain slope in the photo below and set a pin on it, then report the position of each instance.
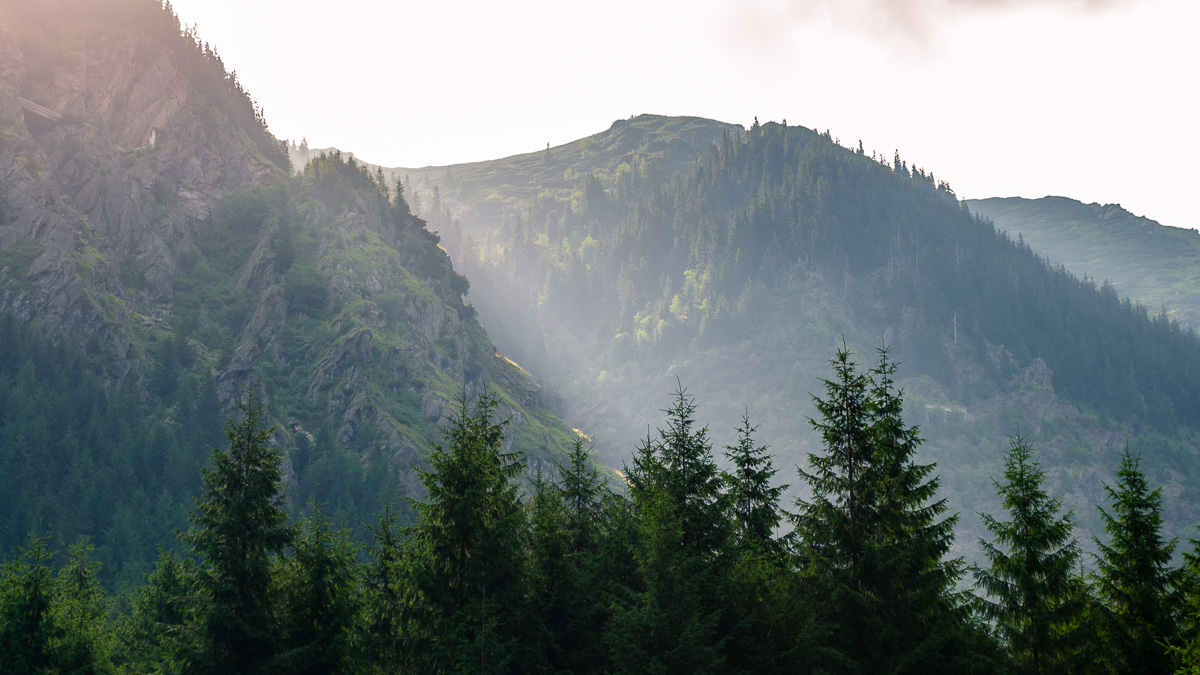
(740, 275)
(173, 276)
(1155, 265)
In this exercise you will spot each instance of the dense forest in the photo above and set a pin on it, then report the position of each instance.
(648, 266)
(741, 272)
(250, 422)
(87, 450)
(1156, 265)
(680, 567)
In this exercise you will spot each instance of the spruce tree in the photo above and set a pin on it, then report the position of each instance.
(151, 635)
(565, 522)
(238, 526)
(467, 554)
(383, 595)
(752, 501)
(1034, 597)
(28, 627)
(1135, 580)
(317, 600)
(832, 527)
(873, 535)
(919, 613)
(671, 620)
(86, 642)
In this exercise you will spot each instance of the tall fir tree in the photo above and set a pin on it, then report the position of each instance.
(467, 554)
(318, 603)
(1034, 597)
(874, 534)
(564, 585)
(160, 611)
(384, 594)
(752, 501)
(671, 621)
(1135, 581)
(239, 525)
(82, 611)
(832, 526)
(920, 614)
(28, 627)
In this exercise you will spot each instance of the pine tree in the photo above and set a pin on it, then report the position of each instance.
(28, 629)
(671, 620)
(150, 638)
(753, 503)
(1034, 597)
(238, 525)
(874, 535)
(919, 612)
(1187, 647)
(679, 463)
(383, 595)
(81, 610)
(467, 566)
(318, 606)
(564, 584)
(1135, 581)
(832, 528)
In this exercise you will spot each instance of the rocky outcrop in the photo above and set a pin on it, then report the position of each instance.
(101, 206)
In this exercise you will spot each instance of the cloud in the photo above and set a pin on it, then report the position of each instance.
(766, 25)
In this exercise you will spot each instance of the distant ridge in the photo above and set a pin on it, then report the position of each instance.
(1153, 264)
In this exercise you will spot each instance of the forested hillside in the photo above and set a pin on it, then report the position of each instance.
(681, 569)
(1153, 264)
(145, 287)
(741, 273)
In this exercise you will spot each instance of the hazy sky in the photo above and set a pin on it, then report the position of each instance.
(1098, 100)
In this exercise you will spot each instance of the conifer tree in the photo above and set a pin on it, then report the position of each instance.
(318, 606)
(150, 638)
(1034, 597)
(1187, 647)
(832, 527)
(919, 612)
(753, 503)
(28, 630)
(1135, 581)
(873, 534)
(564, 589)
(238, 526)
(467, 565)
(85, 642)
(671, 621)
(383, 595)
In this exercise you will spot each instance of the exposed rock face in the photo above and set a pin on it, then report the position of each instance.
(97, 204)
(104, 212)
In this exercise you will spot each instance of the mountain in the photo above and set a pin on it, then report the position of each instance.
(1153, 264)
(158, 260)
(738, 262)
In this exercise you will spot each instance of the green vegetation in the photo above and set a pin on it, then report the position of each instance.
(1154, 265)
(359, 340)
(741, 272)
(671, 572)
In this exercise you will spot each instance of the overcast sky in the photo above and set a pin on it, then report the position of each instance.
(1098, 100)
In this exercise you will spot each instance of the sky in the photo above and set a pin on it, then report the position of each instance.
(1097, 100)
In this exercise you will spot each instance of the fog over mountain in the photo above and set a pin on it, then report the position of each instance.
(681, 395)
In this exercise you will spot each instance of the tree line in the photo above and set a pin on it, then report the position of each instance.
(681, 566)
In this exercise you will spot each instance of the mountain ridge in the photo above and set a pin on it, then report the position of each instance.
(585, 285)
(1154, 264)
(157, 237)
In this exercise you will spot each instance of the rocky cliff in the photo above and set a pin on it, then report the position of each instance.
(143, 204)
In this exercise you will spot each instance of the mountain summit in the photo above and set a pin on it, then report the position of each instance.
(151, 227)
(609, 273)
